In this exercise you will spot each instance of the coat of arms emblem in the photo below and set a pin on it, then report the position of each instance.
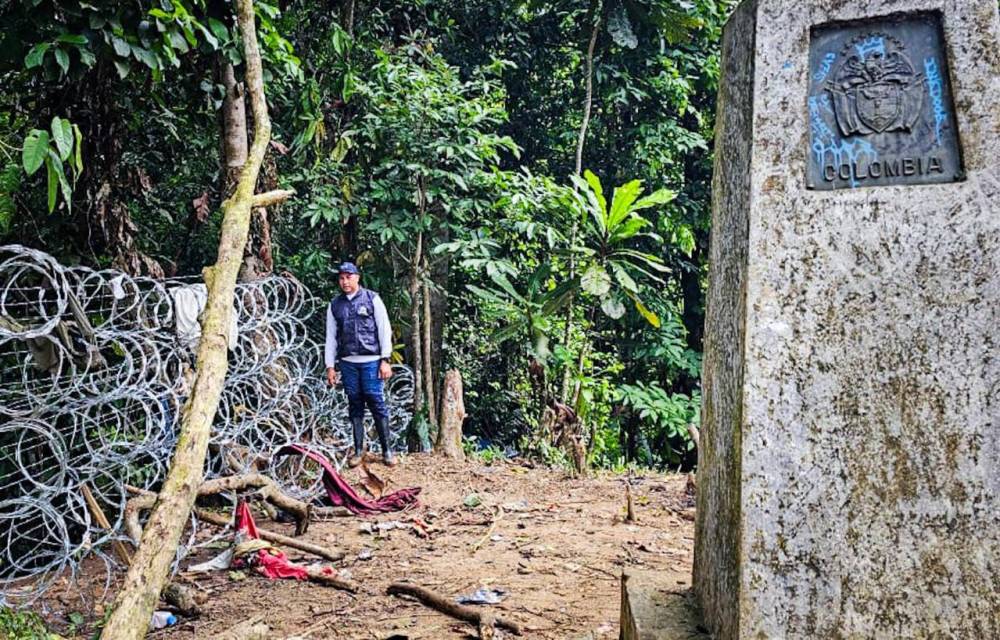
(876, 88)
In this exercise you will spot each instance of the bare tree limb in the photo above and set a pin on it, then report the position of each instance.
(440, 603)
(277, 538)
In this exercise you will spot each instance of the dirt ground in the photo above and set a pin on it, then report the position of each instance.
(556, 545)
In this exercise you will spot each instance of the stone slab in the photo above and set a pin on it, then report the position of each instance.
(849, 485)
(654, 609)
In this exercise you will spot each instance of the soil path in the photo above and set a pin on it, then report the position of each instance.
(558, 550)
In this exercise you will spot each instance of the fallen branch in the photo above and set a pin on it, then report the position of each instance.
(102, 521)
(266, 487)
(316, 574)
(447, 607)
(277, 538)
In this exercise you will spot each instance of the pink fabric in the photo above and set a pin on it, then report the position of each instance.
(244, 520)
(342, 495)
(270, 563)
(273, 564)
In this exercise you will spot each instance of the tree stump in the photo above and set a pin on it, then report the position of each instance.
(449, 439)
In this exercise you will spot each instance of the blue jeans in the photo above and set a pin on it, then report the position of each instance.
(363, 387)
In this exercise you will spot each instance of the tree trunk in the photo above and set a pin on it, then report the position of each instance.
(427, 327)
(593, 14)
(235, 145)
(449, 439)
(415, 332)
(133, 608)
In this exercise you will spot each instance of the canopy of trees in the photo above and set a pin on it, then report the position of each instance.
(524, 181)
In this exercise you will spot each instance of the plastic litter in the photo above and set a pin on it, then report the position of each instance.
(484, 595)
(162, 619)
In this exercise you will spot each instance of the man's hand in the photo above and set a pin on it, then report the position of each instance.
(384, 370)
(331, 376)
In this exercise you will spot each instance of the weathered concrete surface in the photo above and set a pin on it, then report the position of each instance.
(852, 371)
(717, 528)
(654, 609)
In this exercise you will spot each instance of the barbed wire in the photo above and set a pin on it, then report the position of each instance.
(94, 373)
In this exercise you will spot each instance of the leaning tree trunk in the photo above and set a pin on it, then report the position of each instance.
(146, 577)
(449, 440)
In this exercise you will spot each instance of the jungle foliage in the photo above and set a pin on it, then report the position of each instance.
(431, 141)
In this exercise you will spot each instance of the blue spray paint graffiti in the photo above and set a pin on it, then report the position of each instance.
(824, 67)
(935, 87)
(875, 44)
(826, 143)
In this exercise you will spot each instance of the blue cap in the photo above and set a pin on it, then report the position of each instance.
(347, 267)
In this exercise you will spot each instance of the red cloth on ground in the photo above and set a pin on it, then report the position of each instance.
(244, 521)
(270, 563)
(342, 495)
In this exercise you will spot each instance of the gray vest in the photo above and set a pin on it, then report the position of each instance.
(357, 334)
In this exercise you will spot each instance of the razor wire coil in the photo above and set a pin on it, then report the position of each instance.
(93, 379)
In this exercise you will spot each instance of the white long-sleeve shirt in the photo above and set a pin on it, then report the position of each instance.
(381, 325)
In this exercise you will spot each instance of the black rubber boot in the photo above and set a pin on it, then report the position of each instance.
(359, 442)
(382, 426)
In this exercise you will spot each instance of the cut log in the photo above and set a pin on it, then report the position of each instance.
(148, 574)
(440, 603)
(449, 440)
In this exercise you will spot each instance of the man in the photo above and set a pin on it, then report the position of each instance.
(359, 343)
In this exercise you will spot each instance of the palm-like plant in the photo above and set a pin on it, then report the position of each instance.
(606, 240)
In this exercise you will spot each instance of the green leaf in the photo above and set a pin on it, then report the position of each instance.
(36, 55)
(613, 307)
(146, 57)
(621, 202)
(72, 39)
(596, 280)
(595, 185)
(76, 618)
(64, 186)
(62, 59)
(339, 151)
(62, 135)
(505, 284)
(78, 155)
(658, 197)
(53, 183)
(121, 46)
(34, 151)
(87, 58)
(123, 68)
(623, 278)
(219, 29)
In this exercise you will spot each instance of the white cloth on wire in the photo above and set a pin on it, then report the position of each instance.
(189, 302)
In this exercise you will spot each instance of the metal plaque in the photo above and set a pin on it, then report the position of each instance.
(880, 104)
